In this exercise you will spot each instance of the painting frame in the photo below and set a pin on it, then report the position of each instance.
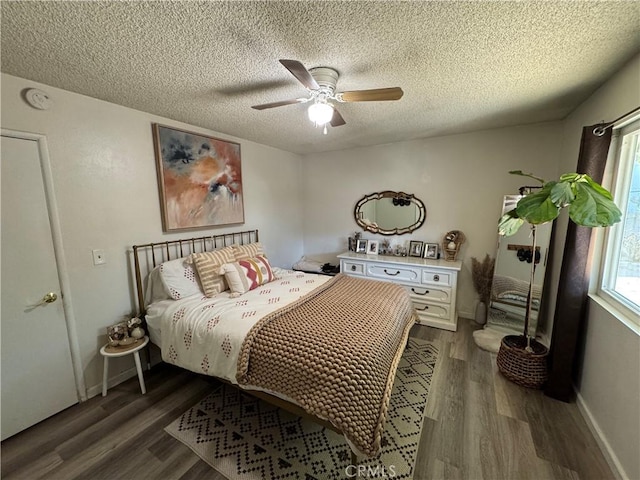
(372, 247)
(361, 246)
(431, 251)
(199, 179)
(415, 248)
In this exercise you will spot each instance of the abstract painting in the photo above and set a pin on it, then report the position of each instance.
(200, 179)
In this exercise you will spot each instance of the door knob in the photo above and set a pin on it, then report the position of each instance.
(48, 298)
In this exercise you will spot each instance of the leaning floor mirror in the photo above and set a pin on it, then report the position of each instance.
(510, 285)
(512, 273)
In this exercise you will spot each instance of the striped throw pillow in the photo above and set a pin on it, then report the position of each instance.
(251, 250)
(247, 274)
(208, 268)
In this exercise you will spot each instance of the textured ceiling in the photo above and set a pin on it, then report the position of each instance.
(462, 65)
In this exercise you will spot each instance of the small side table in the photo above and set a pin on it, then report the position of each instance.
(108, 351)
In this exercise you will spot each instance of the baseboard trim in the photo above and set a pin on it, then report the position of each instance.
(112, 382)
(598, 434)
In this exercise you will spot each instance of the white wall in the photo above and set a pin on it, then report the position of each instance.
(608, 379)
(105, 179)
(461, 179)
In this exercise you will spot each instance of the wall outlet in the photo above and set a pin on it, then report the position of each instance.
(99, 258)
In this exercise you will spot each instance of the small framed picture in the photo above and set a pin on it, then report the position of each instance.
(415, 248)
(352, 244)
(431, 250)
(372, 247)
(361, 246)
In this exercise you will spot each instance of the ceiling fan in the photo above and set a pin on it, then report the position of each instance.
(321, 85)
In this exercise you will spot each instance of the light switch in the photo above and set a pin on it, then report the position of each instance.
(99, 257)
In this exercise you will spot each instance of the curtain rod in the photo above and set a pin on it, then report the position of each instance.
(600, 129)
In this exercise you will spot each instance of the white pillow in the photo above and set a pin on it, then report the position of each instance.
(179, 278)
(155, 290)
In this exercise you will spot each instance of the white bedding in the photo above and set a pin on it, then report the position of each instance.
(204, 335)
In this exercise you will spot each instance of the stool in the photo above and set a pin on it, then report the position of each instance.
(109, 351)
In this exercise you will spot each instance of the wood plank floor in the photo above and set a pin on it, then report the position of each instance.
(477, 426)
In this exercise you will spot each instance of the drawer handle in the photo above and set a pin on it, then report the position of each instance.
(426, 292)
(353, 268)
(392, 274)
(426, 307)
(436, 278)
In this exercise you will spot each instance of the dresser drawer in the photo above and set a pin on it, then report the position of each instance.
(427, 293)
(431, 284)
(432, 310)
(437, 277)
(393, 273)
(351, 267)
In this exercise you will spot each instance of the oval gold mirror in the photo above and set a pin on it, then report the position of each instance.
(390, 213)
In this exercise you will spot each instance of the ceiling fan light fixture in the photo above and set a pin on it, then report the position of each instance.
(320, 83)
(320, 113)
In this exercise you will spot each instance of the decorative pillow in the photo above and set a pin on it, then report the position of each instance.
(251, 250)
(208, 268)
(179, 278)
(245, 275)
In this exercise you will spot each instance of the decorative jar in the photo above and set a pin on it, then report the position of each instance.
(137, 332)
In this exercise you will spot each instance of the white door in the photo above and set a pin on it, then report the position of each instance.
(37, 374)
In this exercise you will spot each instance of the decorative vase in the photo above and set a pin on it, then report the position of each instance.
(137, 332)
(481, 313)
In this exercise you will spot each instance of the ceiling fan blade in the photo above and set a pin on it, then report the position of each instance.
(337, 119)
(299, 71)
(264, 106)
(374, 95)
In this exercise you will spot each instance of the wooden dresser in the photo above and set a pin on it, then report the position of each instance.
(432, 284)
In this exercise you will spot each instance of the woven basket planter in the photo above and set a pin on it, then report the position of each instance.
(528, 369)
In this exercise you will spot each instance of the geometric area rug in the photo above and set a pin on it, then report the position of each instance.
(246, 438)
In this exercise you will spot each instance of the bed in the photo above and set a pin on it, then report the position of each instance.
(315, 345)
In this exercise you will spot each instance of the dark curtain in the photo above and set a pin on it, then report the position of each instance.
(574, 277)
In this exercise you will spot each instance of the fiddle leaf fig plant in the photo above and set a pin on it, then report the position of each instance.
(590, 205)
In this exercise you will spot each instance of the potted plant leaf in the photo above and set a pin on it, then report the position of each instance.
(521, 358)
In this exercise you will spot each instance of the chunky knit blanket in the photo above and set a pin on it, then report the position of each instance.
(335, 352)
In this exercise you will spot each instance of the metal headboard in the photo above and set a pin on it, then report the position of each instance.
(147, 256)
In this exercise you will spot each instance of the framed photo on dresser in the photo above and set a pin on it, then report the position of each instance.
(415, 248)
(361, 246)
(372, 247)
(431, 251)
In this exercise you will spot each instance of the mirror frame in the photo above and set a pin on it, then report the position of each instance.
(390, 194)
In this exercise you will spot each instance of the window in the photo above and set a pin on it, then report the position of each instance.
(621, 272)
